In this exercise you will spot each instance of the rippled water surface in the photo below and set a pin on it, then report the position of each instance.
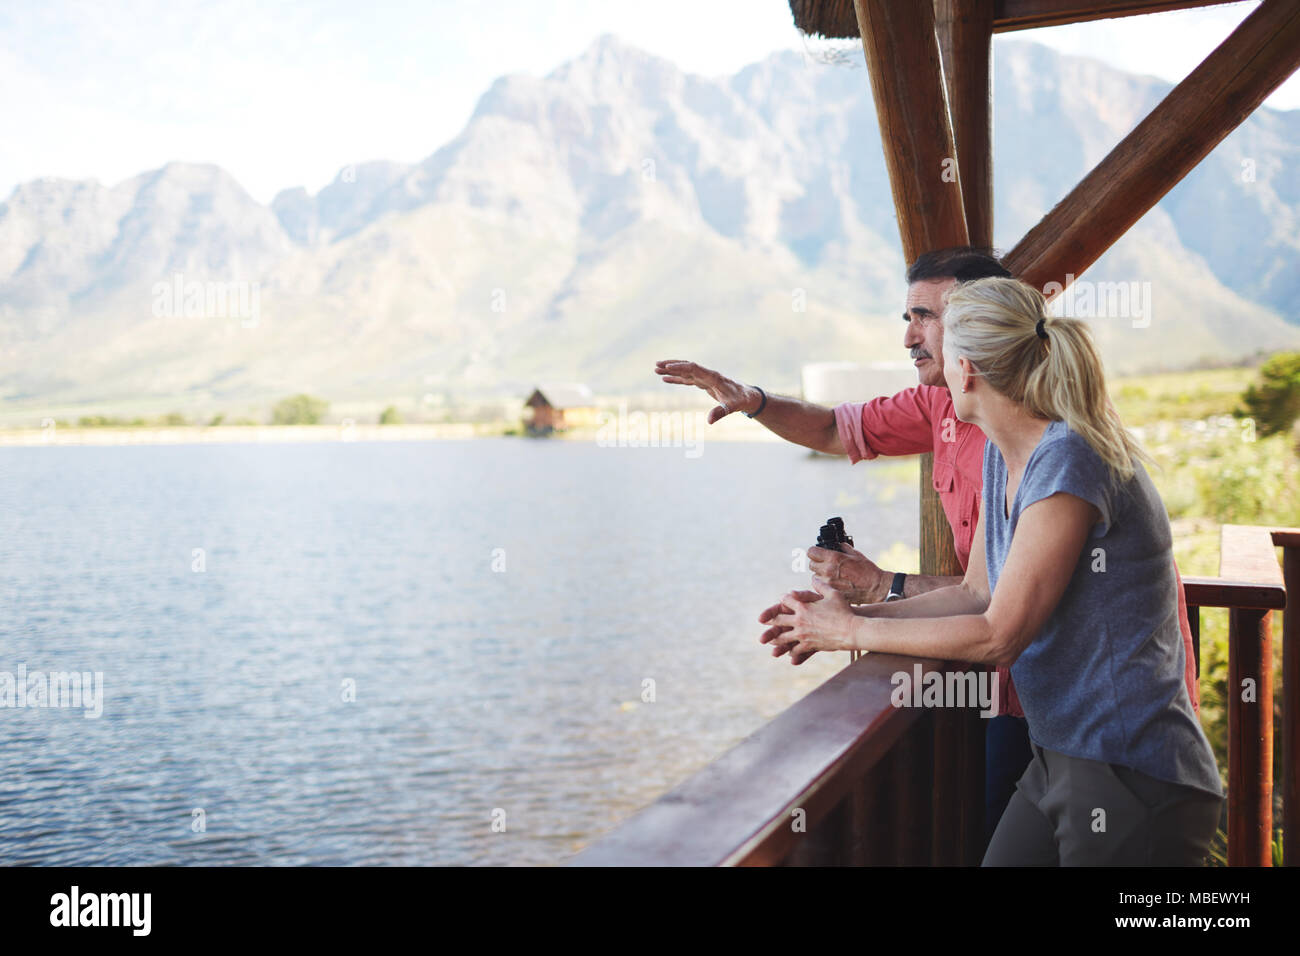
(371, 565)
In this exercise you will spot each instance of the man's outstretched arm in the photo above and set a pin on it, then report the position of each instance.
(802, 423)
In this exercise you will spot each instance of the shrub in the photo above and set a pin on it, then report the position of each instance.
(299, 409)
(1274, 402)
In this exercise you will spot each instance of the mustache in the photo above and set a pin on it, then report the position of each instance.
(918, 352)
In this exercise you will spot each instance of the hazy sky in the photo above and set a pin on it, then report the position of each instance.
(284, 94)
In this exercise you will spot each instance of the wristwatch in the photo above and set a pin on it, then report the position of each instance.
(896, 587)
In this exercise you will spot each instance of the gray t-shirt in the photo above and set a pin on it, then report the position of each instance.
(1104, 679)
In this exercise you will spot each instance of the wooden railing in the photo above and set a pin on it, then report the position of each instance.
(1252, 586)
(843, 777)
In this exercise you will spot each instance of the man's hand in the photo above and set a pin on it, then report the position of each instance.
(731, 396)
(850, 572)
(776, 630)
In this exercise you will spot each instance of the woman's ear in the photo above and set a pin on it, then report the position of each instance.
(967, 374)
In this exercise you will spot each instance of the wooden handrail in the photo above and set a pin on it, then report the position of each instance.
(1222, 592)
(741, 808)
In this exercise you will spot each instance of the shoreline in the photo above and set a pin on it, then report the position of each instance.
(281, 434)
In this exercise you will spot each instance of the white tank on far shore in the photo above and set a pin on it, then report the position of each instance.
(833, 383)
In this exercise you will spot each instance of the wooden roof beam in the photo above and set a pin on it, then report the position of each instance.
(1187, 124)
(1030, 14)
(836, 19)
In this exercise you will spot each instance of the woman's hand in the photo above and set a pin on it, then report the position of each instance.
(776, 630)
(809, 621)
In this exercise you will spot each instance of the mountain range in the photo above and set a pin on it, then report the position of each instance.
(613, 212)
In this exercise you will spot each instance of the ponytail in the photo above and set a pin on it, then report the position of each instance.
(1046, 364)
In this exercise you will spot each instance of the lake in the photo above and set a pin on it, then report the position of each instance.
(372, 652)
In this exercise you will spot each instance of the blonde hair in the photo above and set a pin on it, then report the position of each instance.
(994, 323)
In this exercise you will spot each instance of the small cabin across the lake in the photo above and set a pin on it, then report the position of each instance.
(553, 408)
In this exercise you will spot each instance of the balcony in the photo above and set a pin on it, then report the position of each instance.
(844, 778)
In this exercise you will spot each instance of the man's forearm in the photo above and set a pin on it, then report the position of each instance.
(913, 585)
(953, 599)
(803, 423)
(916, 584)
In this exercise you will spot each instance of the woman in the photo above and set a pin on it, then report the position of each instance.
(1070, 583)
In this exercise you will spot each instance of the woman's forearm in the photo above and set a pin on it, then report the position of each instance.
(963, 637)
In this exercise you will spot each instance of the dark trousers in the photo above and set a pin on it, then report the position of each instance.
(1006, 755)
(1070, 811)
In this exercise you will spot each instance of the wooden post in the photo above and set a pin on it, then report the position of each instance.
(938, 553)
(903, 62)
(874, 808)
(964, 29)
(1250, 737)
(965, 32)
(1291, 708)
(958, 802)
(829, 841)
(925, 176)
(914, 794)
(864, 801)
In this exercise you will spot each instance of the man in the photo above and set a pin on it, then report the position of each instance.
(916, 420)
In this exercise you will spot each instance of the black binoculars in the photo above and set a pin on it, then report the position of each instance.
(832, 535)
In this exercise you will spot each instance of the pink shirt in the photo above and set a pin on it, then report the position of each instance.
(921, 419)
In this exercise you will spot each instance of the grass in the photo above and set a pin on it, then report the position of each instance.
(1148, 399)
